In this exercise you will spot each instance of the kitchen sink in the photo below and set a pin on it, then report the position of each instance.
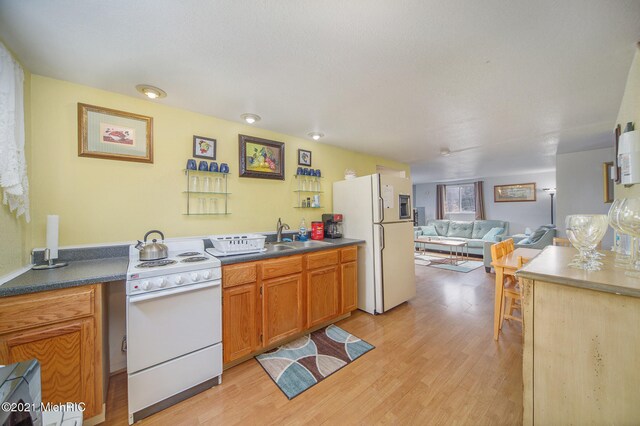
(310, 243)
(279, 247)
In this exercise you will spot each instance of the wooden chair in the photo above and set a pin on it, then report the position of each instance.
(563, 242)
(513, 297)
(501, 249)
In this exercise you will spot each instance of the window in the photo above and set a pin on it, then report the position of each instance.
(460, 199)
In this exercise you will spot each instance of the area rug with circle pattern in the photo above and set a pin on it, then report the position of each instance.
(300, 364)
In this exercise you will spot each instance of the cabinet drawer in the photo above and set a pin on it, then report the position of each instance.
(281, 267)
(242, 273)
(322, 259)
(30, 310)
(349, 254)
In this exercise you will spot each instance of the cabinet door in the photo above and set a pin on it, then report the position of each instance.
(240, 318)
(282, 308)
(322, 295)
(349, 287)
(66, 354)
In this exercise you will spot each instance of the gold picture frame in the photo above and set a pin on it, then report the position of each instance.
(607, 180)
(114, 135)
(518, 192)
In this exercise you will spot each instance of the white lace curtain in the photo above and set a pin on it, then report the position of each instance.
(13, 167)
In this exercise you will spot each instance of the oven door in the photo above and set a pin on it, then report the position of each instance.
(166, 324)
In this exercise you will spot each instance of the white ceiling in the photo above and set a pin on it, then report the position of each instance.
(507, 83)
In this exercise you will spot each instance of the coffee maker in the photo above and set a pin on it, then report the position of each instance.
(332, 225)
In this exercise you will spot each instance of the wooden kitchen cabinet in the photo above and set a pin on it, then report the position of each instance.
(282, 308)
(62, 329)
(322, 287)
(348, 279)
(241, 310)
(323, 295)
(348, 287)
(270, 301)
(240, 321)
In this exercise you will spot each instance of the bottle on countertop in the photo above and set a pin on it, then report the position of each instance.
(302, 231)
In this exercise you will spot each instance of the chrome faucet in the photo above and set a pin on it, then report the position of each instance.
(279, 227)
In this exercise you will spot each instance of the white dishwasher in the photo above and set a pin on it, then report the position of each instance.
(174, 327)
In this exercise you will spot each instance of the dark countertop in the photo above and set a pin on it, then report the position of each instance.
(90, 270)
(77, 273)
(334, 243)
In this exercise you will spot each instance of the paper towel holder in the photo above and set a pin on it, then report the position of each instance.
(50, 262)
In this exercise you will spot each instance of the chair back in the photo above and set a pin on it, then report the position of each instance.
(501, 249)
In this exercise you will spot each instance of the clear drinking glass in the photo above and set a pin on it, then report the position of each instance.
(206, 184)
(629, 221)
(621, 260)
(213, 205)
(585, 231)
(194, 184)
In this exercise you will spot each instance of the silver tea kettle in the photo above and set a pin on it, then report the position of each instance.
(154, 250)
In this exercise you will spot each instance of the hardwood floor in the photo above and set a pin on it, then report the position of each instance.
(435, 362)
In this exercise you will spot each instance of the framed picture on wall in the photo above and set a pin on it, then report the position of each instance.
(204, 147)
(608, 181)
(304, 158)
(617, 133)
(514, 192)
(114, 135)
(261, 158)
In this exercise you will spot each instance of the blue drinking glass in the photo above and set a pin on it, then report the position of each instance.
(224, 168)
(191, 164)
(213, 166)
(203, 166)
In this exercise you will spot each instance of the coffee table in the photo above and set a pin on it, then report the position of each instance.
(456, 248)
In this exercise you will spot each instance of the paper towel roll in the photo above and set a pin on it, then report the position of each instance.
(53, 221)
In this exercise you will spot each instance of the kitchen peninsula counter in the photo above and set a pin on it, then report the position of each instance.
(581, 342)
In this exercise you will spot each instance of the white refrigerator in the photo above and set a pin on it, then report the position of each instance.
(378, 209)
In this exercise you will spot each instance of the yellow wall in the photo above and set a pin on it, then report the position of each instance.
(15, 233)
(111, 201)
(630, 111)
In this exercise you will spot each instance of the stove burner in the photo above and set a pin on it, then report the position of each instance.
(189, 253)
(155, 263)
(195, 259)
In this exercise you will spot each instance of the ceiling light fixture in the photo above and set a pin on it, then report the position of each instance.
(151, 92)
(445, 152)
(316, 135)
(250, 118)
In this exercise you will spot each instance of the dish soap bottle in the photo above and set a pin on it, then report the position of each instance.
(302, 236)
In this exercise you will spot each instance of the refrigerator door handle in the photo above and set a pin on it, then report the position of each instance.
(381, 238)
(381, 209)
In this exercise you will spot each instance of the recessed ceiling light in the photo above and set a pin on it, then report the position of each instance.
(315, 135)
(445, 152)
(151, 92)
(250, 118)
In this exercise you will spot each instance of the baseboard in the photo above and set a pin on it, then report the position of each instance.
(119, 371)
(95, 420)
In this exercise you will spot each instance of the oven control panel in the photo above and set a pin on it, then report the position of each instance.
(178, 279)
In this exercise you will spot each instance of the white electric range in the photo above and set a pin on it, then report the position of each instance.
(174, 327)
